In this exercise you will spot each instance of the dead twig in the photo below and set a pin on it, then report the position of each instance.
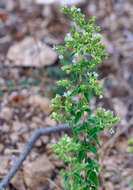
(37, 133)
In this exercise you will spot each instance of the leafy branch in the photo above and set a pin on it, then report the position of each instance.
(86, 50)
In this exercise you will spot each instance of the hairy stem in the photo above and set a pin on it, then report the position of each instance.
(84, 132)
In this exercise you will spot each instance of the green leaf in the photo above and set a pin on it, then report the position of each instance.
(131, 141)
(131, 183)
(115, 120)
(77, 117)
(95, 137)
(87, 96)
(88, 111)
(91, 120)
(92, 164)
(91, 132)
(81, 155)
(92, 148)
(94, 179)
(66, 179)
(75, 76)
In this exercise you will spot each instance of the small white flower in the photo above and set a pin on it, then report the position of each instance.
(88, 74)
(82, 49)
(76, 55)
(95, 74)
(72, 9)
(100, 108)
(61, 56)
(105, 111)
(54, 114)
(14, 158)
(84, 32)
(54, 47)
(112, 131)
(68, 139)
(97, 35)
(101, 96)
(69, 37)
(74, 61)
(93, 115)
(78, 9)
(67, 93)
(95, 170)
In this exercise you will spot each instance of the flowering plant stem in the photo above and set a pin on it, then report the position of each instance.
(80, 152)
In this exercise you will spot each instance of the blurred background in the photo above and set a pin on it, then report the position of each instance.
(29, 69)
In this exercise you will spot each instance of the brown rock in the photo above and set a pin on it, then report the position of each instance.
(38, 121)
(49, 121)
(41, 102)
(1, 147)
(120, 108)
(4, 165)
(118, 91)
(37, 172)
(45, 139)
(109, 186)
(14, 137)
(6, 113)
(18, 181)
(16, 126)
(31, 53)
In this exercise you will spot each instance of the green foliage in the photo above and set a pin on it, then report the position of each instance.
(86, 51)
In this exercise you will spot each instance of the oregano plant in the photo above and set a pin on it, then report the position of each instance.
(80, 152)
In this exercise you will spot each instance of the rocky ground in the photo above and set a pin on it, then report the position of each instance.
(29, 68)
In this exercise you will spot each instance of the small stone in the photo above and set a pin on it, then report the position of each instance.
(45, 139)
(49, 121)
(37, 172)
(37, 121)
(30, 53)
(6, 113)
(14, 137)
(109, 186)
(18, 181)
(1, 147)
(4, 166)
(120, 108)
(42, 102)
